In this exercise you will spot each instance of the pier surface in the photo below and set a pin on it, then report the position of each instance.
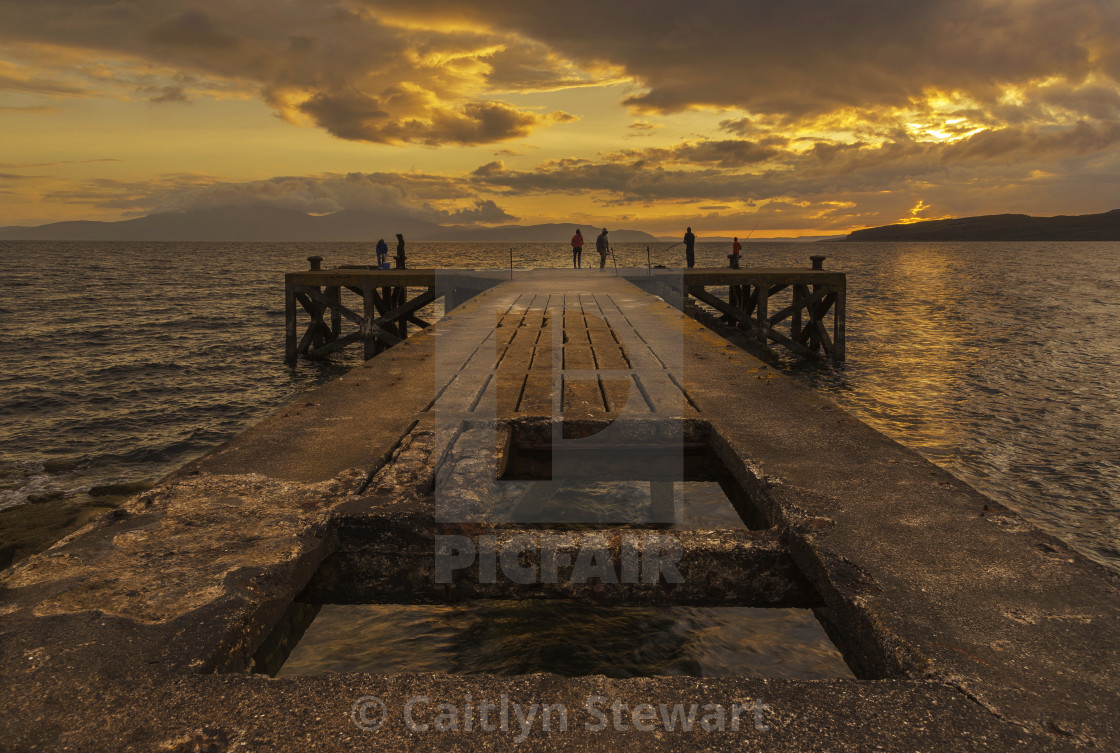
(965, 627)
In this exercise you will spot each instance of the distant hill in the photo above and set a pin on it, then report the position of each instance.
(1001, 227)
(272, 224)
(260, 223)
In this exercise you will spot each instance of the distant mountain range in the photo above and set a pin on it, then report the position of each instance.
(269, 224)
(273, 224)
(1001, 227)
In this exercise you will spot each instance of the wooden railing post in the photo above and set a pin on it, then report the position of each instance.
(795, 317)
(369, 313)
(334, 295)
(761, 311)
(290, 340)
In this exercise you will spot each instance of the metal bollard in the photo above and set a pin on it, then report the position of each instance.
(316, 263)
(818, 261)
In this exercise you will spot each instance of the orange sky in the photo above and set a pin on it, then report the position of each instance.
(806, 118)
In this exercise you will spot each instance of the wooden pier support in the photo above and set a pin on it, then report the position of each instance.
(390, 301)
(812, 301)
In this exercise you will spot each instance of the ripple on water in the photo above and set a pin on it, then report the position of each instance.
(566, 638)
(970, 353)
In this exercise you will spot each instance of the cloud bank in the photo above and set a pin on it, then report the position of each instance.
(852, 112)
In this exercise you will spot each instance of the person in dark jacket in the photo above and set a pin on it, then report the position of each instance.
(602, 247)
(690, 248)
(400, 251)
(382, 252)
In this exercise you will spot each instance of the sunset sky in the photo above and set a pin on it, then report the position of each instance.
(803, 117)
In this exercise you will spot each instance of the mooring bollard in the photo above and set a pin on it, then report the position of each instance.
(818, 261)
(316, 263)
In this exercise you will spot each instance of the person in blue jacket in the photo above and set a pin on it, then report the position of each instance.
(382, 252)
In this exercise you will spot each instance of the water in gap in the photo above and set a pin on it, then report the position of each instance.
(694, 505)
(566, 638)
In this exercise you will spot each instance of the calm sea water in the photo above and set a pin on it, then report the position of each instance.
(565, 638)
(998, 361)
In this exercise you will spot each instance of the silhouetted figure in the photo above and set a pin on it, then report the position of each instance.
(733, 257)
(382, 253)
(577, 249)
(400, 251)
(689, 248)
(601, 246)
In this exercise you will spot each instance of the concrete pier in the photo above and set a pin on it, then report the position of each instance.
(966, 628)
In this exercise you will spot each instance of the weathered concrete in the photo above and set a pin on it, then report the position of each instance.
(969, 628)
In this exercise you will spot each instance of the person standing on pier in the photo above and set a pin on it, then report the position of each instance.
(689, 247)
(601, 246)
(382, 253)
(400, 251)
(577, 249)
(736, 248)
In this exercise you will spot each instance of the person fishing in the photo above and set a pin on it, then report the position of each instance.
(689, 247)
(577, 249)
(400, 257)
(382, 253)
(602, 247)
(736, 248)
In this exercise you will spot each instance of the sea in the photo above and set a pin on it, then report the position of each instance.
(999, 362)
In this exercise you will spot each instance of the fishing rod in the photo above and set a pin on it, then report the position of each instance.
(665, 250)
(733, 257)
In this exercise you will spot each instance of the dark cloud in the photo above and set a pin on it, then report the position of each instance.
(693, 172)
(192, 28)
(782, 62)
(869, 100)
(811, 56)
(533, 66)
(348, 115)
(489, 169)
(474, 123)
(356, 116)
(169, 93)
(1020, 144)
(483, 211)
(725, 153)
(1094, 101)
(43, 86)
(346, 69)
